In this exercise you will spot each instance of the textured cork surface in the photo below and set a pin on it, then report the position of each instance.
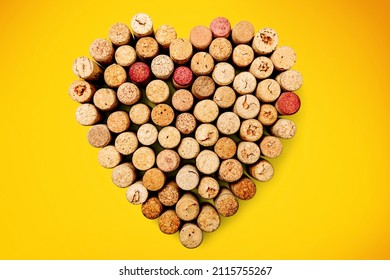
(208, 219)
(169, 222)
(124, 175)
(244, 189)
(169, 195)
(230, 170)
(153, 179)
(152, 208)
(225, 148)
(191, 236)
(168, 160)
(208, 187)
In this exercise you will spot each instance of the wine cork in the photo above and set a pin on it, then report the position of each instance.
(154, 179)
(137, 193)
(126, 143)
(230, 170)
(224, 97)
(262, 171)
(200, 37)
(169, 194)
(187, 178)
(243, 55)
(143, 158)
(185, 123)
(169, 222)
(225, 148)
(248, 152)
(244, 189)
(125, 56)
(243, 32)
(265, 41)
(119, 34)
(207, 162)
(228, 123)
(284, 129)
(147, 134)
(169, 137)
(191, 236)
(105, 99)
(189, 148)
(140, 73)
(223, 74)
(208, 219)
(118, 121)
(152, 208)
(109, 157)
(283, 58)
(206, 111)
(268, 90)
(206, 134)
(157, 91)
(162, 115)
(168, 160)
(268, 114)
(146, 48)
(251, 130)
(187, 208)
(244, 83)
(99, 136)
(288, 103)
(182, 100)
(139, 113)
(203, 87)
(271, 146)
(102, 51)
(182, 77)
(128, 94)
(202, 63)
(220, 27)
(81, 91)
(220, 49)
(115, 75)
(226, 203)
(87, 114)
(261, 67)
(290, 80)
(180, 50)
(124, 175)
(208, 187)
(164, 35)
(86, 69)
(247, 106)
(142, 25)
(162, 66)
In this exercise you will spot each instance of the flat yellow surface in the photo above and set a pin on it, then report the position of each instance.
(329, 199)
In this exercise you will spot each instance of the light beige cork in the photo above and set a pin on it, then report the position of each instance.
(262, 67)
(147, 134)
(206, 111)
(118, 121)
(228, 123)
(243, 32)
(244, 189)
(87, 114)
(244, 83)
(126, 143)
(189, 148)
(243, 55)
(154, 179)
(262, 170)
(201, 37)
(284, 129)
(208, 219)
(115, 75)
(81, 91)
(230, 170)
(169, 194)
(268, 114)
(169, 137)
(187, 208)
(207, 162)
(268, 90)
(226, 203)
(146, 48)
(119, 34)
(86, 69)
(139, 113)
(202, 63)
(142, 25)
(283, 58)
(164, 35)
(124, 175)
(265, 41)
(221, 49)
(137, 193)
(206, 134)
(102, 51)
(157, 91)
(271, 146)
(169, 222)
(190, 236)
(168, 160)
(203, 87)
(248, 152)
(182, 100)
(247, 106)
(251, 130)
(109, 157)
(125, 56)
(224, 97)
(223, 74)
(185, 123)
(225, 148)
(105, 99)
(128, 93)
(290, 80)
(180, 50)
(152, 208)
(208, 187)
(162, 115)
(187, 178)
(162, 66)
(99, 136)
(143, 158)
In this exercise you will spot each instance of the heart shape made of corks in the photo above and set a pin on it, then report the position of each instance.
(187, 125)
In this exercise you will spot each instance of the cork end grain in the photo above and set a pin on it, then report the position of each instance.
(169, 195)
(152, 208)
(137, 193)
(191, 236)
(226, 203)
(208, 219)
(169, 222)
(244, 189)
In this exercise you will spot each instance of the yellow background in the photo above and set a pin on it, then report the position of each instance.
(329, 199)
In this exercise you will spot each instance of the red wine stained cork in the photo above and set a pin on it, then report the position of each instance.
(244, 83)
(142, 25)
(119, 34)
(187, 178)
(261, 67)
(208, 187)
(168, 160)
(220, 27)
(248, 152)
(180, 50)
(162, 115)
(243, 32)
(206, 111)
(162, 66)
(152, 208)
(81, 91)
(224, 97)
(207, 162)
(288, 103)
(126, 143)
(283, 58)
(124, 175)
(137, 193)
(271, 146)
(226, 203)
(102, 51)
(290, 80)
(202, 63)
(230, 170)
(87, 114)
(208, 219)
(262, 170)
(182, 77)
(169, 137)
(182, 100)
(268, 90)
(140, 73)
(187, 208)
(189, 148)
(125, 55)
(200, 37)
(265, 41)
(154, 179)
(164, 35)
(128, 93)
(268, 114)
(190, 236)
(225, 148)
(146, 48)
(244, 189)
(86, 69)
(118, 121)
(109, 157)
(284, 129)
(251, 130)
(105, 99)
(228, 123)
(247, 106)
(185, 123)
(220, 49)
(223, 74)
(169, 222)
(157, 91)
(147, 134)
(139, 113)
(203, 87)
(143, 158)
(99, 136)
(169, 194)
(115, 75)
(243, 55)
(206, 134)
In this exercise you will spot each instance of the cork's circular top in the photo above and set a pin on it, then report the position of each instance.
(225, 148)
(169, 222)
(162, 115)
(290, 80)
(243, 55)
(200, 37)
(146, 48)
(140, 73)
(283, 58)
(118, 121)
(268, 90)
(251, 130)
(220, 49)
(188, 177)
(203, 87)
(137, 193)
(230, 170)
(168, 160)
(262, 170)
(169, 194)
(128, 93)
(262, 67)
(157, 91)
(143, 158)
(86, 69)
(109, 157)
(119, 34)
(182, 77)
(164, 35)
(153, 179)
(268, 114)
(191, 236)
(169, 137)
(81, 91)
(226, 203)
(288, 103)
(271, 146)
(224, 97)
(125, 55)
(123, 175)
(126, 143)
(185, 123)
(265, 41)
(162, 66)
(87, 114)
(207, 162)
(208, 187)
(220, 27)
(202, 63)
(102, 51)
(284, 128)
(206, 111)
(182, 100)
(248, 152)
(142, 25)
(147, 134)
(139, 113)
(189, 148)
(105, 99)
(244, 189)
(180, 50)
(243, 32)
(206, 134)
(152, 208)
(208, 219)
(223, 74)
(99, 136)
(244, 83)
(228, 123)
(115, 75)
(187, 208)
(247, 106)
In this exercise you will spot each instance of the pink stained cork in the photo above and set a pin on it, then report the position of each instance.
(182, 77)
(288, 103)
(220, 27)
(140, 73)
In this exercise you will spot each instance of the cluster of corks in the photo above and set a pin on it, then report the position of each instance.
(184, 124)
